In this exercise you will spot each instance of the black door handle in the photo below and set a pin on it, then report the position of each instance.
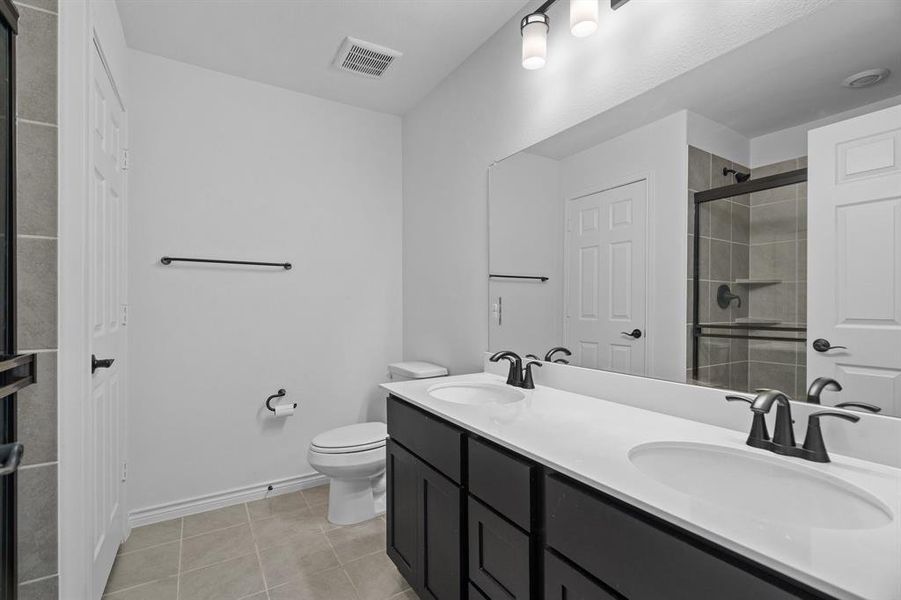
(635, 333)
(101, 363)
(822, 345)
(11, 455)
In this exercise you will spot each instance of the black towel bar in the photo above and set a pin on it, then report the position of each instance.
(168, 260)
(541, 278)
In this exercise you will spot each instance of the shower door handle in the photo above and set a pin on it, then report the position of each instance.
(11, 455)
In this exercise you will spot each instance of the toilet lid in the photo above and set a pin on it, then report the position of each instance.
(352, 438)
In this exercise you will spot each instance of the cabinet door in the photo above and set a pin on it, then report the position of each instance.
(402, 511)
(440, 505)
(562, 582)
(499, 562)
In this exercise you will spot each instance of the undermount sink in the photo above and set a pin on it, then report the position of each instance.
(477, 394)
(764, 488)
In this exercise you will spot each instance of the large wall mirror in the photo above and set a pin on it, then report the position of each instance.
(737, 227)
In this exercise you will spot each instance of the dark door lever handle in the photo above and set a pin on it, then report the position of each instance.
(823, 345)
(101, 363)
(635, 333)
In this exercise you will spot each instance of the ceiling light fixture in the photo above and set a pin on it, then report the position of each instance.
(534, 27)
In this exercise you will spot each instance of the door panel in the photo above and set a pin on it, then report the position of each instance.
(606, 278)
(106, 299)
(402, 511)
(854, 225)
(440, 503)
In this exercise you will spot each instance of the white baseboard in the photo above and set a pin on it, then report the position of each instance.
(199, 504)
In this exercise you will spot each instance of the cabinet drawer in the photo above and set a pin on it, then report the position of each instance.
(501, 481)
(499, 557)
(475, 594)
(641, 558)
(426, 436)
(562, 582)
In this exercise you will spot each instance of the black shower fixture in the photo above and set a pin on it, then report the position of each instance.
(739, 176)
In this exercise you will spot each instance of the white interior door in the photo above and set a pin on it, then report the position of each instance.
(854, 280)
(106, 302)
(606, 284)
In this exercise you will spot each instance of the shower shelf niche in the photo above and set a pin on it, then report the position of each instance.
(757, 281)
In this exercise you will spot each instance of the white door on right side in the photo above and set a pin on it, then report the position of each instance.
(854, 270)
(606, 283)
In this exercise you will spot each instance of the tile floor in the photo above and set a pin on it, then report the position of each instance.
(280, 548)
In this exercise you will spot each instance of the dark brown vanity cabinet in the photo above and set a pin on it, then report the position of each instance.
(469, 519)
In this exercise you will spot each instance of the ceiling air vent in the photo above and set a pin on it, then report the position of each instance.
(365, 58)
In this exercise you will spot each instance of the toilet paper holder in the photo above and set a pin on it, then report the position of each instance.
(278, 394)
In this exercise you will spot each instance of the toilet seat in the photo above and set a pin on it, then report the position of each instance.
(351, 439)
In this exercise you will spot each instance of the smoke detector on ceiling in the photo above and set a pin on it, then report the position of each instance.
(866, 78)
(365, 58)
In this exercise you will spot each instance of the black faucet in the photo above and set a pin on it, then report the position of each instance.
(784, 433)
(783, 442)
(819, 384)
(549, 357)
(528, 383)
(514, 375)
(827, 383)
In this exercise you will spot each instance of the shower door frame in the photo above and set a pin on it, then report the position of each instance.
(721, 193)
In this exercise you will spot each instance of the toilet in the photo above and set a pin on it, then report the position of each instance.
(353, 457)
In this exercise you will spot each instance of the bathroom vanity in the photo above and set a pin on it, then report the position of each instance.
(561, 496)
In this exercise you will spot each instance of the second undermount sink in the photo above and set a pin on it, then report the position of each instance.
(475, 393)
(769, 489)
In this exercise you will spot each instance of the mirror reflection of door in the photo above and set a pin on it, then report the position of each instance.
(605, 279)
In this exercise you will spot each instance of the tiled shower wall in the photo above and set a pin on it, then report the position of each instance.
(778, 251)
(36, 110)
(724, 255)
(757, 236)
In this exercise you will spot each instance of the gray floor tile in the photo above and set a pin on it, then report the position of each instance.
(305, 554)
(406, 595)
(328, 585)
(217, 546)
(152, 535)
(317, 496)
(268, 507)
(277, 530)
(228, 580)
(165, 589)
(215, 519)
(143, 566)
(375, 577)
(358, 540)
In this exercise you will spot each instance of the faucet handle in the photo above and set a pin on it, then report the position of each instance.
(759, 437)
(529, 383)
(814, 448)
(861, 405)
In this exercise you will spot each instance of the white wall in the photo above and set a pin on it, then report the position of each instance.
(224, 167)
(525, 223)
(657, 152)
(490, 108)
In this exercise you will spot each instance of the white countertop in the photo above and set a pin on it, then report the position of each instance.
(589, 439)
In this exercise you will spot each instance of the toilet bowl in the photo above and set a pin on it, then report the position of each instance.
(353, 458)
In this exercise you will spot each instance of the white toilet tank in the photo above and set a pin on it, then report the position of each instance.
(415, 369)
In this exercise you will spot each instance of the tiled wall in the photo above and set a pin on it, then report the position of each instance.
(36, 110)
(757, 236)
(724, 254)
(779, 251)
